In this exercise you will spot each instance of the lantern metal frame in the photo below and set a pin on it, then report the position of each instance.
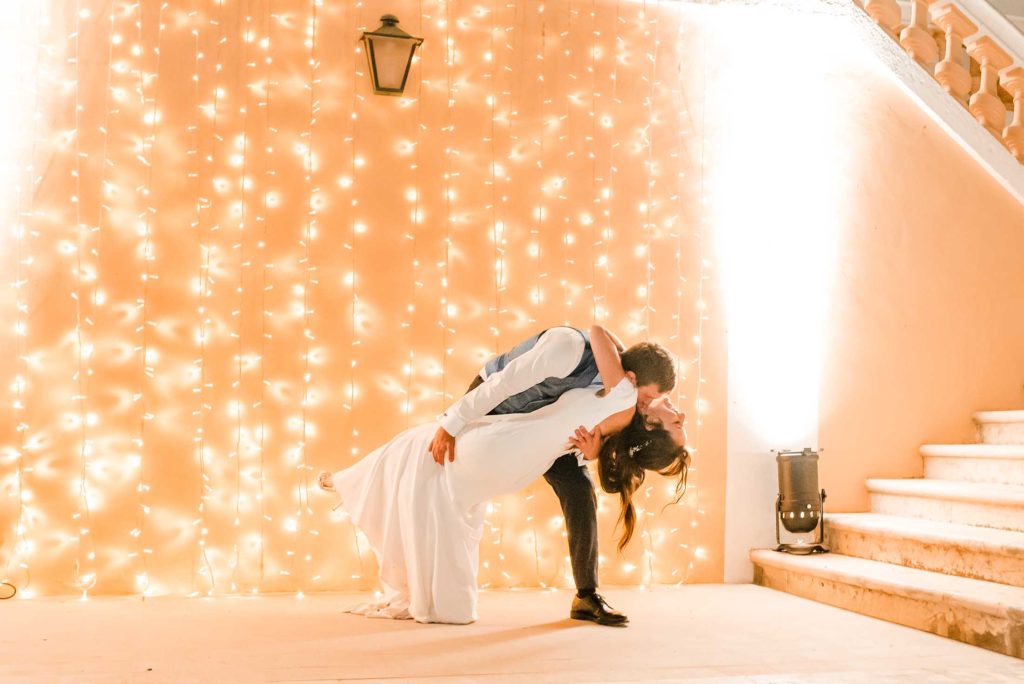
(388, 30)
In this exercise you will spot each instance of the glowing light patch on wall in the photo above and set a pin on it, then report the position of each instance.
(777, 185)
(18, 37)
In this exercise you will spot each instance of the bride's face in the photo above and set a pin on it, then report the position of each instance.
(662, 413)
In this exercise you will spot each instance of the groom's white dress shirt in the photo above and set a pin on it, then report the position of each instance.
(558, 351)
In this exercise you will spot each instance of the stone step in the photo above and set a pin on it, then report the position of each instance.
(963, 550)
(996, 463)
(969, 503)
(1000, 427)
(976, 612)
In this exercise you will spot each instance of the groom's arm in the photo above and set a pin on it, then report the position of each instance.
(557, 352)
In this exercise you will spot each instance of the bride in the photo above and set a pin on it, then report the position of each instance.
(424, 520)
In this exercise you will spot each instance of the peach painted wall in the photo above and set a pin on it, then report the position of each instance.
(871, 268)
(244, 268)
(926, 323)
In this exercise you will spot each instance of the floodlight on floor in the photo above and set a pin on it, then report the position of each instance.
(800, 505)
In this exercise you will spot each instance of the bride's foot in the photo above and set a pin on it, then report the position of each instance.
(326, 482)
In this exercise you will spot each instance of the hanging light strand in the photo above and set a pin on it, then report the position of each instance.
(309, 280)
(682, 153)
(265, 267)
(449, 62)
(85, 573)
(354, 308)
(595, 295)
(702, 278)
(150, 116)
(652, 60)
(537, 233)
(561, 180)
(25, 213)
(608, 193)
(497, 226)
(239, 312)
(203, 207)
(412, 237)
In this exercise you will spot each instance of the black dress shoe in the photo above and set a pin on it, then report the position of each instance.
(596, 609)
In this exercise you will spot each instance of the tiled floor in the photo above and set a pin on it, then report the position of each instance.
(704, 633)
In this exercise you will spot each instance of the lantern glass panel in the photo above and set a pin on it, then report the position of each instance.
(392, 57)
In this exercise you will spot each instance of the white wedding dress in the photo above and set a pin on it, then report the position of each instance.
(424, 521)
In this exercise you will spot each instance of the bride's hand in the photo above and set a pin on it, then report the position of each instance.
(587, 441)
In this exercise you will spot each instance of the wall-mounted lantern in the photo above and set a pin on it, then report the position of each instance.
(389, 52)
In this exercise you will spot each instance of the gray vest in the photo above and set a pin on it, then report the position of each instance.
(548, 390)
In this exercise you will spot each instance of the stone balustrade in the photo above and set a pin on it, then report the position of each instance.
(947, 37)
(1013, 135)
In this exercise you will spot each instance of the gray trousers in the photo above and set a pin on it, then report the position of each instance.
(575, 490)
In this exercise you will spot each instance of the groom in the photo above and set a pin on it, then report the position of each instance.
(532, 374)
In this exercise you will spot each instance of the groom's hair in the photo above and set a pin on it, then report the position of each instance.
(652, 364)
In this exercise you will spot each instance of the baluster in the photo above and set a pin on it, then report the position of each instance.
(951, 72)
(985, 104)
(1013, 135)
(886, 14)
(916, 38)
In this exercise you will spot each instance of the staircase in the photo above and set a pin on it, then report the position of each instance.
(944, 554)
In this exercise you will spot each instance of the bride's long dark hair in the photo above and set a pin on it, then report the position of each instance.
(626, 456)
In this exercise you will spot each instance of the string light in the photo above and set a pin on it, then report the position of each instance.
(85, 571)
(355, 340)
(263, 220)
(239, 312)
(497, 227)
(27, 43)
(647, 209)
(682, 152)
(703, 276)
(304, 510)
(203, 205)
(446, 305)
(412, 238)
(530, 197)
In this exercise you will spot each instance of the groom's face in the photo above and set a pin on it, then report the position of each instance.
(645, 394)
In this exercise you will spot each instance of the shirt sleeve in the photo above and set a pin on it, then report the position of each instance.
(557, 352)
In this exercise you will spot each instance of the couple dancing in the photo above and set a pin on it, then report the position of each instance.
(420, 499)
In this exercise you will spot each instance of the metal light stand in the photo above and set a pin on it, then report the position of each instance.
(801, 549)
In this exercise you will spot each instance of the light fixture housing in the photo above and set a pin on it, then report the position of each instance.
(800, 505)
(389, 52)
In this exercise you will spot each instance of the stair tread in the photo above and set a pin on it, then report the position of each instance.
(987, 597)
(973, 450)
(955, 490)
(1007, 542)
(1015, 416)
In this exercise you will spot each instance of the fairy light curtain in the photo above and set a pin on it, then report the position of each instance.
(231, 266)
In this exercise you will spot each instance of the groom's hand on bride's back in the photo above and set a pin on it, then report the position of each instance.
(442, 446)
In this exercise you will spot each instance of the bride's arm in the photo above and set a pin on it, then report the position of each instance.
(589, 442)
(606, 355)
